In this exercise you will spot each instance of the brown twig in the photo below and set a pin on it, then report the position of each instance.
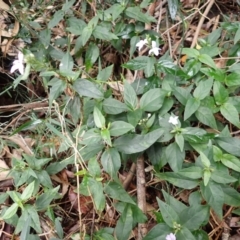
(141, 195)
(211, 2)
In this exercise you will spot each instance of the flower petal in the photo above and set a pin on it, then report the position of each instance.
(171, 236)
(14, 68)
(21, 68)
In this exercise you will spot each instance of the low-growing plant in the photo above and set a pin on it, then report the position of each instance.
(181, 116)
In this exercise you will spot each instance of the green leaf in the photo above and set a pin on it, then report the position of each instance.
(87, 89)
(124, 224)
(130, 97)
(103, 33)
(57, 17)
(220, 93)
(174, 203)
(138, 63)
(237, 36)
(105, 73)
(58, 86)
(180, 141)
(178, 180)
(222, 177)
(231, 161)
(90, 151)
(66, 63)
(205, 160)
(113, 106)
(191, 172)
(182, 95)
(194, 216)
(206, 176)
(133, 143)
(205, 116)
(169, 215)
(86, 34)
(75, 25)
(94, 168)
(134, 40)
(158, 232)
(10, 211)
(137, 14)
(172, 8)
(231, 196)
(117, 192)
(184, 234)
(214, 196)
(35, 218)
(203, 89)
(152, 100)
(111, 161)
(229, 144)
(206, 59)
(119, 128)
(233, 79)
(106, 136)
(98, 118)
(45, 37)
(191, 107)
(44, 200)
(135, 116)
(174, 156)
(96, 190)
(230, 113)
(191, 52)
(150, 67)
(91, 56)
(28, 191)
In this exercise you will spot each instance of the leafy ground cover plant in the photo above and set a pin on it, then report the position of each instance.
(120, 101)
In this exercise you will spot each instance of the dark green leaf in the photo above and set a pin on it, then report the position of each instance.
(220, 93)
(119, 128)
(230, 113)
(113, 106)
(137, 14)
(158, 232)
(152, 100)
(231, 196)
(230, 145)
(178, 180)
(98, 118)
(169, 215)
(191, 172)
(184, 234)
(231, 162)
(174, 156)
(124, 224)
(194, 216)
(133, 143)
(111, 161)
(138, 63)
(117, 192)
(191, 107)
(130, 97)
(87, 89)
(91, 56)
(103, 33)
(214, 196)
(206, 116)
(96, 190)
(57, 17)
(105, 73)
(203, 89)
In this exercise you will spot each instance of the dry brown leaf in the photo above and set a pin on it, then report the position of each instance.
(4, 171)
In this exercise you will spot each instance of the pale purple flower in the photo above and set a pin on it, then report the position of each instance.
(18, 64)
(155, 50)
(171, 236)
(173, 120)
(141, 43)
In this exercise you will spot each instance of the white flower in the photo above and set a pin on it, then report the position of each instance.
(171, 236)
(141, 43)
(149, 115)
(18, 64)
(154, 49)
(173, 120)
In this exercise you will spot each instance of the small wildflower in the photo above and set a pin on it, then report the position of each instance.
(155, 50)
(18, 64)
(173, 120)
(171, 236)
(149, 115)
(141, 43)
